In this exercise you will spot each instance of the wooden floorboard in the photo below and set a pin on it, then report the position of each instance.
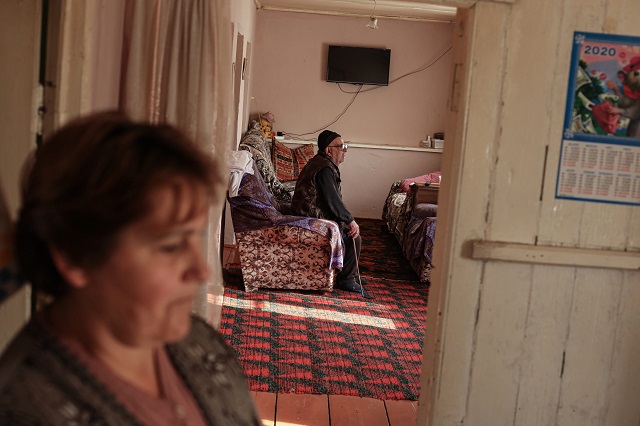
(402, 413)
(288, 409)
(299, 409)
(266, 406)
(356, 411)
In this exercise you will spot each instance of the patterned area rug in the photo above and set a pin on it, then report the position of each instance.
(334, 343)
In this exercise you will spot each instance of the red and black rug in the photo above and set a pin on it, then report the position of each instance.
(334, 343)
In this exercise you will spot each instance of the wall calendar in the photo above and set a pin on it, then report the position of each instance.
(600, 152)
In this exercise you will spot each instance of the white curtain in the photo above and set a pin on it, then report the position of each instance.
(176, 68)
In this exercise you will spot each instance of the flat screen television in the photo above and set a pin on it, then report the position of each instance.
(358, 65)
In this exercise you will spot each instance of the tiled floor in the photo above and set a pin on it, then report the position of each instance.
(288, 409)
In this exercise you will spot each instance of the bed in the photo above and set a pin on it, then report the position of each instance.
(410, 214)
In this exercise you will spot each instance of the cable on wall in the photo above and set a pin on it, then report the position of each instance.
(355, 94)
(409, 73)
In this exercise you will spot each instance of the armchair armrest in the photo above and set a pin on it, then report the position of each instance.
(289, 257)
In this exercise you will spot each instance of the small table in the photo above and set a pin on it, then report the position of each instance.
(424, 193)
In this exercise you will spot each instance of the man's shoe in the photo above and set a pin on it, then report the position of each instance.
(362, 280)
(348, 286)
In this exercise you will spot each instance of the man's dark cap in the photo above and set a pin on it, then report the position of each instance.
(325, 138)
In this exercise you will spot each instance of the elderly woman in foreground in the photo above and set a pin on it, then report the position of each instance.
(111, 228)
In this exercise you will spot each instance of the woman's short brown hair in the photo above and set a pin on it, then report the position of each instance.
(91, 179)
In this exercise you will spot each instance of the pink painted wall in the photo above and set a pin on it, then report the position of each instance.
(289, 73)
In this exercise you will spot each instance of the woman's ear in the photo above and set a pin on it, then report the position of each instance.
(74, 275)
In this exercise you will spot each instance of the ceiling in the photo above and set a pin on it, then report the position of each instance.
(417, 10)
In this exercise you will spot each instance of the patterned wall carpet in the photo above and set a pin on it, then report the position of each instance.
(335, 343)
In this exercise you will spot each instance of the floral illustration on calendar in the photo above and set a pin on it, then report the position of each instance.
(600, 155)
(607, 88)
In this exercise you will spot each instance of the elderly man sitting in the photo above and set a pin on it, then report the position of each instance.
(318, 194)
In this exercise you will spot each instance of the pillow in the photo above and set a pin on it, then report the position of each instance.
(424, 210)
(429, 177)
(288, 162)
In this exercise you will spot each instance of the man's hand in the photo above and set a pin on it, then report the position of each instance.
(354, 229)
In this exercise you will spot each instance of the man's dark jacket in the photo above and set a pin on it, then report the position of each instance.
(318, 193)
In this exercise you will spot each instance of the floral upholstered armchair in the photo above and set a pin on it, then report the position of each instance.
(278, 250)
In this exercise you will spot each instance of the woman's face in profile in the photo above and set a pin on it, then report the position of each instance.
(144, 291)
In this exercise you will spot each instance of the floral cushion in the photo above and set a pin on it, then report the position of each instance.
(288, 162)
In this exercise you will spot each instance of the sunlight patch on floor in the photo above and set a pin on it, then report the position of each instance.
(322, 314)
(214, 299)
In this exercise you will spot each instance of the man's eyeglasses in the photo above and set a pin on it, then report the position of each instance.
(343, 146)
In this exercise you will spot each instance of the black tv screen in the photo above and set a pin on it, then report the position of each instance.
(358, 65)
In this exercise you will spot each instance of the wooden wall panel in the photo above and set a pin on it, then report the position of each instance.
(633, 235)
(543, 346)
(576, 223)
(560, 221)
(438, 294)
(622, 18)
(589, 347)
(552, 345)
(483, 80)
(520, 149)
(624, 379)
(604, 226)
(503, 308)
